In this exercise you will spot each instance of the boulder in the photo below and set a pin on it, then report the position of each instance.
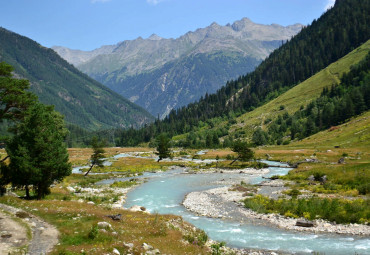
(116, 206)
(115, 251)
(22, 215)
(147, 247)
(71, 189)
(104, 224)
(305, 223)
(323, 179)
(129, 246)
(311, 178)
(137, 208)
(114, 217)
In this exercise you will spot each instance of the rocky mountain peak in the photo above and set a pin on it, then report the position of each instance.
(154, 37)
(241, 24)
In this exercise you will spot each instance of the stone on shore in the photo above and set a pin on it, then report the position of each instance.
(305, 223)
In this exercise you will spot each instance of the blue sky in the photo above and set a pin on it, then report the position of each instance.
(89, 24)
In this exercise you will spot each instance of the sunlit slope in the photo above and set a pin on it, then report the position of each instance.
(301, 94)
(352, 134)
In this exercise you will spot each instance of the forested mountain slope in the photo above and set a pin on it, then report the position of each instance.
(164, 74)
(82, 100)
(300, 95)
(336, 33)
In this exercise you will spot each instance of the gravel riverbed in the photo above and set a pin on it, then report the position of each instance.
(223, 203)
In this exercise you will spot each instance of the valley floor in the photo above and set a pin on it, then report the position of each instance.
(77, 205)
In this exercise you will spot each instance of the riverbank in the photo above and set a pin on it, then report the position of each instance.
(224, 203)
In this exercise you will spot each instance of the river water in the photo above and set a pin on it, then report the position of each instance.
(164, 193)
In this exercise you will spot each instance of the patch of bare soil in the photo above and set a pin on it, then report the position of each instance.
(44, 235)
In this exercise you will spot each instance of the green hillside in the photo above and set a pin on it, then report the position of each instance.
(82, 100)
(302, 94)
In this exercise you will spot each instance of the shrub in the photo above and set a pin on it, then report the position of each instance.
(94, 231)
(318, 176)
(294, 193)
(364, 189)
(229, 157)
(216, 248)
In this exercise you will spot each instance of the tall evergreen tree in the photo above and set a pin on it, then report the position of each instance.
(163, 147)
(38, 155)
(14, 97)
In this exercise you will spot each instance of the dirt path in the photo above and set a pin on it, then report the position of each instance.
(13, 236)
(44, 235)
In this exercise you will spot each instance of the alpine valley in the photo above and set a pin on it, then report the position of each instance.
(164, 74)
(262, 145)
(84, 102)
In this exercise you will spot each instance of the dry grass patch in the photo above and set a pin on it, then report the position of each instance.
(81, 156)
(222, 153)
(76, 222)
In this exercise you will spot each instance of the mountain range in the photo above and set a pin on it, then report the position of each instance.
(83, 101)
(164, 74)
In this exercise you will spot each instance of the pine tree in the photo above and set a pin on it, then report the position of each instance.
(38, 155)
(97, 158)
(243, 151)
(163, 147)
(14, 97)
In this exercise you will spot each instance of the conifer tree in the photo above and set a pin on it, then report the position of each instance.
(97, 158)
(243, 151)
(38, 155)
(163, 147)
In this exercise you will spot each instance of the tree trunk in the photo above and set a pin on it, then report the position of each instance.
(27, 192)
(89, 169)
(234, 161)
(4, 158)
(39, 191)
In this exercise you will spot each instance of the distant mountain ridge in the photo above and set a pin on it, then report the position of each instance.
(83, 101)
(148, 70)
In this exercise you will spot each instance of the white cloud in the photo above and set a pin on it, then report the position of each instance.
(154, 2)
(329, 4)
(99, 1)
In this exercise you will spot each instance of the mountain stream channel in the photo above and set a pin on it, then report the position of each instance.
(164, 192)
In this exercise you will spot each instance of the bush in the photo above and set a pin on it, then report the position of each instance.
(229, 157)
(318, 176)
(294, 193)
(364, 189)
(216, 248)
(94, 231)
(199, 238)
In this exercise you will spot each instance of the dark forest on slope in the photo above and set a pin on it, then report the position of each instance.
(83, 101)
(333, 35)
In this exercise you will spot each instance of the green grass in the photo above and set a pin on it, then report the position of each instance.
(302, 94)
(338, 210)
(350, 140)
